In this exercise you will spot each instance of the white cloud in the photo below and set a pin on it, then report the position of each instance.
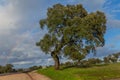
(19, 29)
(114, 23)
(20, 14)
(8, 18)
(22, 62)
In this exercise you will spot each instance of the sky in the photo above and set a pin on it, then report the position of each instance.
(20, 30)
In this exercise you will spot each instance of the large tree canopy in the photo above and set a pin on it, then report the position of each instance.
(72, 32)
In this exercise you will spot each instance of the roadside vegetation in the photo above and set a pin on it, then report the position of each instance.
(89, 69)
(9, 68)
(98, 72)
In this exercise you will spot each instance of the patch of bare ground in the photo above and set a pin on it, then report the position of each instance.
(24, 76)
(37, 76)
(21, 76)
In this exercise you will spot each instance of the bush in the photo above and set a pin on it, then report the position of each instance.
(84, 64)
(93, 61)
(6, 69)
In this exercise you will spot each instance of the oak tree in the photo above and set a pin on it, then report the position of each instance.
(72, 31)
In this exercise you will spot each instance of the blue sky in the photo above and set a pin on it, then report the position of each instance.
(19, 29)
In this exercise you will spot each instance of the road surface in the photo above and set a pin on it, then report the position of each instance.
(25, 76)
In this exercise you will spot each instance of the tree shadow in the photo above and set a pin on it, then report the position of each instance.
(78, 66)
(66, 67)
(100, 65)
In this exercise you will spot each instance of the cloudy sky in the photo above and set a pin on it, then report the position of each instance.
(19, 29)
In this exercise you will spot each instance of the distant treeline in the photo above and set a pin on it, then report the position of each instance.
(112, 58)
(8, 68)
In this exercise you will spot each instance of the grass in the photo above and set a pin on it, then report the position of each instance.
(98, 72)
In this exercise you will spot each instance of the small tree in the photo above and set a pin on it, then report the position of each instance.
(9, 67)
(72, 32)
(106, 60)
(6, 69)
(84, 64)
(94, 61)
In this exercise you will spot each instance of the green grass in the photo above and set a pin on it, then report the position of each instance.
(98, 72)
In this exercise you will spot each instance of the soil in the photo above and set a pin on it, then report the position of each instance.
(25, 76)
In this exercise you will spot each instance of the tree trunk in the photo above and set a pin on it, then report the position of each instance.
(56, 60)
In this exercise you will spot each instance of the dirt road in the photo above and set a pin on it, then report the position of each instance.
(25, 76)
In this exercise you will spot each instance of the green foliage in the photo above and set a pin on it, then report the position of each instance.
(106, 60)
(35, 68)
(20, 70)
(6, 69)
(67, 64)
(88, 63)
(48, 42)
(112, 58)
(102, 72)
(72, 31)
(94, 61)
(84, 64)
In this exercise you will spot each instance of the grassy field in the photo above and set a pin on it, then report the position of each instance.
(101, 72)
